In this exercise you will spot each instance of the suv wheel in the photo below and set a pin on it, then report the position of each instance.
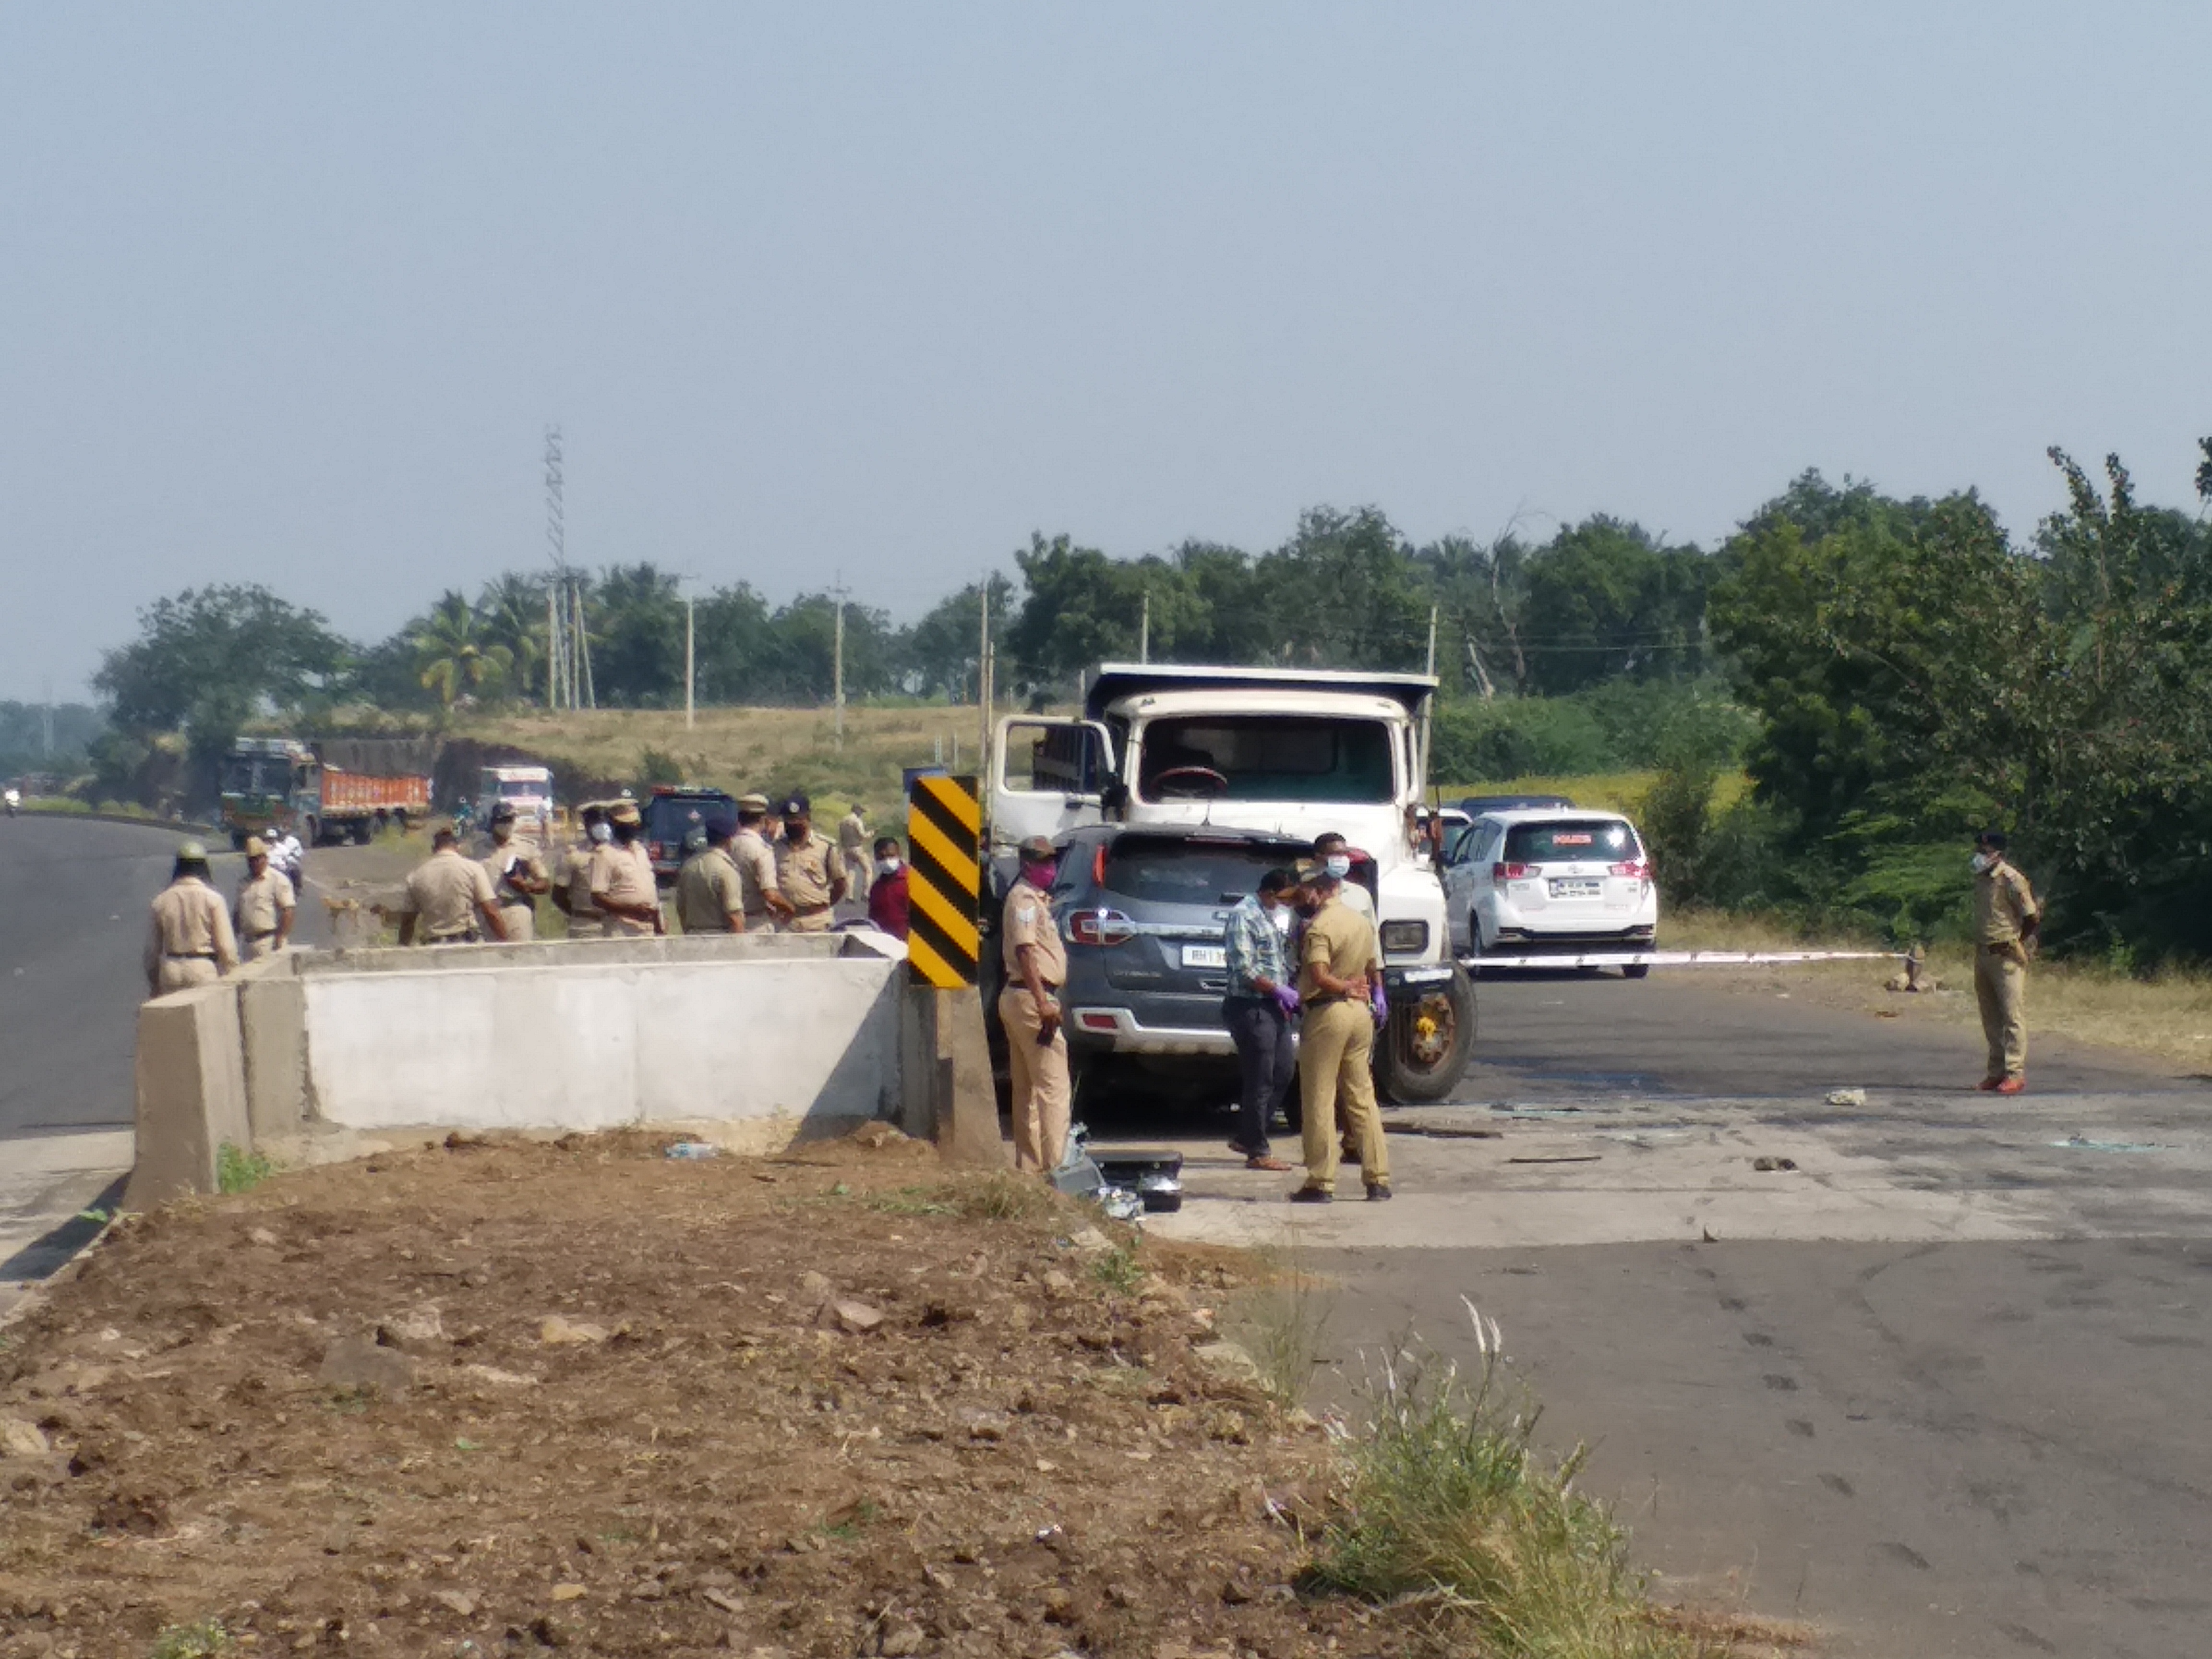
(1422, 1052)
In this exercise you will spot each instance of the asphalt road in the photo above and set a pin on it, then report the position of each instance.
(1935, 1389)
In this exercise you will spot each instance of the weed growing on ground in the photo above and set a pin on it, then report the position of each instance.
(1117, 1269)
(1283, 1319)
(237, 1171)
(1447, 1503)
(1001, 1196)
(205, 1640)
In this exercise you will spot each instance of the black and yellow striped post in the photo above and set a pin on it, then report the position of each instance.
(945, 880)
(944, 1056)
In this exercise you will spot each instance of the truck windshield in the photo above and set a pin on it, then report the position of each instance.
(1267, 757)
(524, 789)
(255, 775)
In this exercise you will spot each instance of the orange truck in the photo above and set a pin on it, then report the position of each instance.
(336, 789)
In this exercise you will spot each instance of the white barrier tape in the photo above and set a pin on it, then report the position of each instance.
(1679, 959)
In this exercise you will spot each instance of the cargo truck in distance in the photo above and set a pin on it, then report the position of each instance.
(1255, 755)
(336, 789)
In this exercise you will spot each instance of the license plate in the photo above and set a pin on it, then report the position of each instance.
(1205, 956)
(1576, 889)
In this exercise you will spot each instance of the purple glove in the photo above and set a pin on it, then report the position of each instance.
(1380, 1002)
(1286, 999)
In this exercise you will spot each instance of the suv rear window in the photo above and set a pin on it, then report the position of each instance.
(1571, 840)
(1162, 871)
(670, 817)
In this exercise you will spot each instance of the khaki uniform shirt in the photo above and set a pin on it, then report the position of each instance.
(190, 921)
(576, 877)
(852, 835)
(749, 851)
(709, 892)
(625, 875)
(444, 892)
(1027, 920)
(521, 852)
(2003, 902)
(262, 903)
(1340, 939)
(805, 873)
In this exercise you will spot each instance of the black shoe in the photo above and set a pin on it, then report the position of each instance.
(1377, 1193)
(1312, 1195)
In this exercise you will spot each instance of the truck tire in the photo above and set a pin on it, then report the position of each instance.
(1422, 1053)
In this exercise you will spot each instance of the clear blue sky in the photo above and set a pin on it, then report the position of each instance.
(290, 293)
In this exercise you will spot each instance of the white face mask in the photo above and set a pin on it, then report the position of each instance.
(1982, 862)
(603, 833)
(887, 867)
(1338, 865)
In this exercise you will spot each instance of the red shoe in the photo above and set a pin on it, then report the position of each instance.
(2011, 1085)
(1988, 1086)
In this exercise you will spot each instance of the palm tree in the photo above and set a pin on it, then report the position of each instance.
(452, 651)
(511, 614)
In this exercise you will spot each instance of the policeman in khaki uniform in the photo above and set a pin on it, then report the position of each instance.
(261, 913)
(852, 846)
(2005, 923)
(447, 896)
(572, 890)
(1336, 1045)
(749, 851)
(517, 875)
(710, 896)
(624, 889)
(189, 941)
(1029, 1008)
(809, 871)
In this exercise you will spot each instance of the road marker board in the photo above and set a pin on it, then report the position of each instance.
(945, 880)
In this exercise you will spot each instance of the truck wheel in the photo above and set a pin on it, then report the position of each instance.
(1422, 1052)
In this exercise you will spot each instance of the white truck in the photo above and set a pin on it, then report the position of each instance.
(1290, 753)
(527, 789)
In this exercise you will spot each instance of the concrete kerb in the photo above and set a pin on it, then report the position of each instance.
(749, 1042)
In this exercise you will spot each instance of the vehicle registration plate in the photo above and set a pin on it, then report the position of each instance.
(1572, 889)
(1205, 956)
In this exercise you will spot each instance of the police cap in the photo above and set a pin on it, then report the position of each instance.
(256, 848)
(796, 806)
(752, 803)
(1037, 850)
(623, 811)
(191, 852)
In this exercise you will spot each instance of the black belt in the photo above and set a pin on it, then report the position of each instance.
(809, 909)
(188, 956)
(266, 932)
(1323, 1002)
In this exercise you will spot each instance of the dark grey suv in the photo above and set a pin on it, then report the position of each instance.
(1143, 912)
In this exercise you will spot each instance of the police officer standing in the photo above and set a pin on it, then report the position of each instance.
(261, 913)
(765, 904)
(2006, 920)
(710, 897)
(447, 896)
(189, 941)
(572, 892)
(852, 846)
(809, 871)
(517, 875)
(624, 889)
(1336, 1044)
(1029, 1008)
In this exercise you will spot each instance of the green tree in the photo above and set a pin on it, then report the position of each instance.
(215, 656)
(1605, 599)
(936, 657)
(511, 613)
(636, 615)
(453, 657)
(1353, 597)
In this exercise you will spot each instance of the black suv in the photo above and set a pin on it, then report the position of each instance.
(671, 812)
(1143, 912)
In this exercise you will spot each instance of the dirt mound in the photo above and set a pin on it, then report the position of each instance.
(511, 1397)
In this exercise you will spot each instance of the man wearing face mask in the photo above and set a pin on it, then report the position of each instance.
(517, 875)
(624, 889)
(572, 892)
(2005, 923)
(1037, 1047)
(1335, 854)
(1257, 1011)
(888, 906)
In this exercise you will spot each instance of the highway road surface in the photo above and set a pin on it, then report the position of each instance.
(1931, 1381)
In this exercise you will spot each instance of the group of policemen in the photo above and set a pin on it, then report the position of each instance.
(196, 937)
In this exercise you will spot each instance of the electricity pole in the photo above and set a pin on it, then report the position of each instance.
(984, 673)
(689, 636)
(1145, 629)
(837, 661)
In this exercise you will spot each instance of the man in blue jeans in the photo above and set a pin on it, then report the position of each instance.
(1258, 1008)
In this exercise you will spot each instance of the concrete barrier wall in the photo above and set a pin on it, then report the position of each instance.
(757, 1039)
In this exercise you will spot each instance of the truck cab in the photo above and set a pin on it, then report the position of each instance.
(527, 789)
(1287, 755)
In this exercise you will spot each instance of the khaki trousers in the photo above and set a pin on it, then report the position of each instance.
(252, 949)
(2000, 989)
(1038, 1073)
(820, 921)
(1336, 1048)
(181, 973)
(589, 926)
(522, 921)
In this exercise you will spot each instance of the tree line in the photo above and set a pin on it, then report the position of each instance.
(1890, 672)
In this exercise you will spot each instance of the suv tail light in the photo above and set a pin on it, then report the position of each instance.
(1101, 927)
(1639, 868)
(1508, 871)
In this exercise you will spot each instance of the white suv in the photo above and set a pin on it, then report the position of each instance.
(1550, 881)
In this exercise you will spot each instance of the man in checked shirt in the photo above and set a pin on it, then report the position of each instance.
(1257, 1011)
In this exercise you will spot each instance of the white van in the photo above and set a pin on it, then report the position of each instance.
(527, 789)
